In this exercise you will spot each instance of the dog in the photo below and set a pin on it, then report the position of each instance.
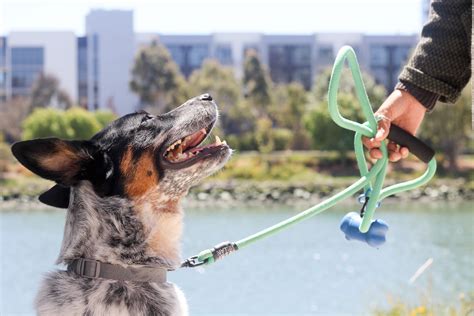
(123, 189)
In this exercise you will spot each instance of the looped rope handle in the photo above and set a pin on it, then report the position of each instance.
(368, 129)
(347, 53)
(371, 180)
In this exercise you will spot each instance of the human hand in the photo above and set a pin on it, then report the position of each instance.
(403, 110)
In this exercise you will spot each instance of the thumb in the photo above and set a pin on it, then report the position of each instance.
(383, 128)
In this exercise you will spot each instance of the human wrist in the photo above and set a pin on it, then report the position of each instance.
(401, 105)
(424, 97)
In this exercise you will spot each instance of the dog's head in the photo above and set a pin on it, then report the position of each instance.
(136, 154)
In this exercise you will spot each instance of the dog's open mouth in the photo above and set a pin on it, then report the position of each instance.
(186, 150)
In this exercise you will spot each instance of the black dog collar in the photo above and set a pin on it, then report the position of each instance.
(95, 269)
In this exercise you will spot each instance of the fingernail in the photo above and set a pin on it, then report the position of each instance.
(380, 133)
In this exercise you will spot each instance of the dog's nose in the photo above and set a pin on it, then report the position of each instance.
(205, 97)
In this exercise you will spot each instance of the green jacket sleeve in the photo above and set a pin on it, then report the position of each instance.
(441, 63)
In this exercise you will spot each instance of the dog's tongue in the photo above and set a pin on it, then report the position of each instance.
(194, 139)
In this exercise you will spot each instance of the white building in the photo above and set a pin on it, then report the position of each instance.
(31, 53)
(230, 48)
(95, 69)
(110, 54)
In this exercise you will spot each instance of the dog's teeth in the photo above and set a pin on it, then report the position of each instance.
(224, 142)
(218, 140)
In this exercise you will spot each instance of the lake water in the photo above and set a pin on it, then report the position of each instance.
(308, 269)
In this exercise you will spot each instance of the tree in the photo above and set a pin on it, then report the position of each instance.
(264, 135)
(325, 134)
(448, 128)
(12, 113)
(375, 92)
(221, 83)
(217, 80)
(155, 76)
(240, 126)
(257, 82)
(5, 158)
(288, 110)
(46, 92)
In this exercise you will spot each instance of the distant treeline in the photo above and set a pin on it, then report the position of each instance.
(255, 113)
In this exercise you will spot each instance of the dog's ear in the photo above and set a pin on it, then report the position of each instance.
(65, 162)
(57, 196)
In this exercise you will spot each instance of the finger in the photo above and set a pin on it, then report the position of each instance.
(371, 143)
(404, 152)
(394, 156)
(383, 129)
(392, 146)
(375, 153)
(393, 151)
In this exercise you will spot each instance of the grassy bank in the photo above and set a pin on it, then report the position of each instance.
(282, 177)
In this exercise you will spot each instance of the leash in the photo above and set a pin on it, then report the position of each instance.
(359, 226)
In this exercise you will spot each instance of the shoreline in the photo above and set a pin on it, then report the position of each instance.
(255, 193)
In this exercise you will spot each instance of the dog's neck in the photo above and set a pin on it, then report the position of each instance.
(122, 231)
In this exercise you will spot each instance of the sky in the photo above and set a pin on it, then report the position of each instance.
(208, 16)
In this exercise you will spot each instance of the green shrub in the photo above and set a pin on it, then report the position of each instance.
(46, 122)
(75, 123)
(243, 142)
(327, 135)
(264, 135)
(104, 117)
(286, 171)
(83, 123)
(282, 138)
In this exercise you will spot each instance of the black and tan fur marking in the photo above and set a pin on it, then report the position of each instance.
(123, 207)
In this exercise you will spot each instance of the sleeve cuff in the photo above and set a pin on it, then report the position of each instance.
(426, 98)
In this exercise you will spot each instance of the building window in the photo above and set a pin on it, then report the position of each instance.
(3, 69)
(27, 63)
(325, 56)
(301, 56)
(95, 71)
(224, 54)
(189, 57)
(386, 61)
(178, 53)
(290, 63)
(82, 71)
(379, 56)
(197, 54)
(401, 54)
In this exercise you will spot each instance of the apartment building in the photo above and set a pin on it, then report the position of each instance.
(95, 68)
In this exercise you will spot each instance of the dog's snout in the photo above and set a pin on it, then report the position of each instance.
(205, 97)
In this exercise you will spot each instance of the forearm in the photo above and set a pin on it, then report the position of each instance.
(440, 66)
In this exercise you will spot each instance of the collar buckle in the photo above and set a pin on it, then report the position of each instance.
(88, 268)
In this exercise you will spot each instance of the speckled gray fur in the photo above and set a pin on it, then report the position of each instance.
(105, 224)
(106, 230)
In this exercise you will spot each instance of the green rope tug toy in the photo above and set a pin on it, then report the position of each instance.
(355, 226)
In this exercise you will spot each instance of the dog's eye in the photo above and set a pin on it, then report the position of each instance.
(147, 117)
